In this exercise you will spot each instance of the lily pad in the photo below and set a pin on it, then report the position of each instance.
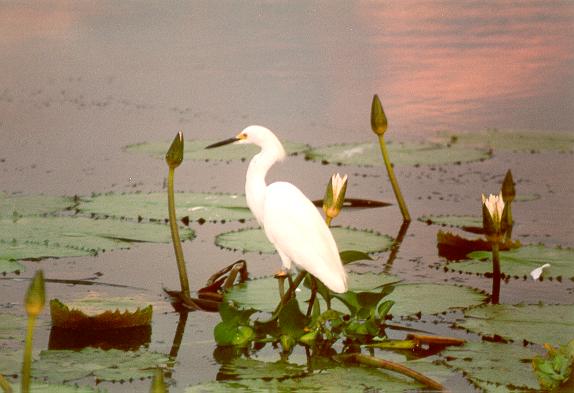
(254, 240)
(429, 298)
(521, 261)
(540, 324)
(13, 206)
(11, 251)
(462, 221)
(12, 327)
(401, 154)
(195, 150)
(67, 236)
(57, 366)
(255, 375)
(49, 388)
(8, 266)
(109, 314)
(512, 140)
(495, 364)
(196, 206)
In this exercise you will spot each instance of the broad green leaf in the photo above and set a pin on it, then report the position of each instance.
(195, 150)
(487, 362)
(453, 221)
(555, 369)
(521, 261)
(8, 266)
(13, 327)
(401, 154)
(512, 140)
(49, 388)
(540, 324)
(15, 206)
(254, 240)
(57, 366)
(263, 293)
(428, 298)
(84, 236)
(11, 360)
(196, 206)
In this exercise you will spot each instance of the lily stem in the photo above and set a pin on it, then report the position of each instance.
(495, 273)
(175, 235)
(393, 179)
(4, 385)
(27, 362)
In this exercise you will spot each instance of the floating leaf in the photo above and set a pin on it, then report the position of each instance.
(406, 153)
(498, 364)
(49, 388)
(12, 326)
(32, 250)
(8, 266)
(429, 298)
(454, 247)
(521, 261)
(263, 294)
(254, 240)
(474, 223)
(512, 140)
(15, 206)
(540, 324)
(59, 366)
(195, 150)
(67, 236)
(64, 316)
(196, 206)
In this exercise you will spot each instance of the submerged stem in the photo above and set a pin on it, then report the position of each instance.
(393, 179)
(175, 235)
(27, 362)
(495, 273)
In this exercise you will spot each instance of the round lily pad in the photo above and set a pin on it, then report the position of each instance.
(66, 236)
(402, 154)
(491, 363)
(540, 323)
(254, 240)
(8, 266)
(194, 149)
(14, 206)
(195, 206)
(521, 261)
(457, 221)
(263, 293)
(512, 140)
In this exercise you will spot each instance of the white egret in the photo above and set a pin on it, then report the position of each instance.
(290, 220)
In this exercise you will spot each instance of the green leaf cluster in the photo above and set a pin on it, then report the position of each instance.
(556, 368)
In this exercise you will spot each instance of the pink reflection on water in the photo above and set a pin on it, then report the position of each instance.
(445, 62)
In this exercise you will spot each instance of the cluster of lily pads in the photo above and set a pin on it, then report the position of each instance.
(345, 328)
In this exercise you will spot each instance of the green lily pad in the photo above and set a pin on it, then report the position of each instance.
(401, 154)
(521, 261)
(254, 240)
(540, 324)
(13, 206)
(263, 294)
(12, 327)
(8, 266)
(496, 364)
(255, 375)
(67, 236)
(196, 206)
(49, 388)
(194, 149)
(429, 298)
(57, 366)
(511, 140)
(11, 360)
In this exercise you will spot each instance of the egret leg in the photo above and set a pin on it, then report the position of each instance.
(313, 296)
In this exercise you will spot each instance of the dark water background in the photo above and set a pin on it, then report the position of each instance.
(78, 81)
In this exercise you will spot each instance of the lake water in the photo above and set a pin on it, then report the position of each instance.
(80, 80)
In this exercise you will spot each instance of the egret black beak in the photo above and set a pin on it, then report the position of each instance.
(223, 143)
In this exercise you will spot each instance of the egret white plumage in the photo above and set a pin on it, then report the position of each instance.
(290, 220)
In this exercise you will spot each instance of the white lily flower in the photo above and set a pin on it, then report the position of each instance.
(495, 206)
(337, 183)
(536, 273)
(335, 195)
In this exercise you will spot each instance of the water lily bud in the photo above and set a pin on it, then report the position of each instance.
(492, 214)
(36, 295)
(174, 155)
(508, 190)
(334, 196)
(378, 118)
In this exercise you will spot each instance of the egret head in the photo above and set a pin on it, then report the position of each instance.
(257, 135)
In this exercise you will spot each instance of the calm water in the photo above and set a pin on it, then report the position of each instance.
(80, 80)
